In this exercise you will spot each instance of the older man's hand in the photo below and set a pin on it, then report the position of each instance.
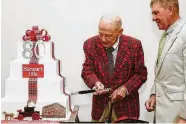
(118, 94)
(99, 88)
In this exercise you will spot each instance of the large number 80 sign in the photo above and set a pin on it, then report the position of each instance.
(29, 49)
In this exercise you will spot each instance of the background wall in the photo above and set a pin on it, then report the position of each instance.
(70, 23)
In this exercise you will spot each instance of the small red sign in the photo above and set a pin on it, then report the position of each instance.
(33, 70)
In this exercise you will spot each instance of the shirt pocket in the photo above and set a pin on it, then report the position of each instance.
(175, 96)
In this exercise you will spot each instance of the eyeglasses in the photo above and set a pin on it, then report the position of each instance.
(108, 36)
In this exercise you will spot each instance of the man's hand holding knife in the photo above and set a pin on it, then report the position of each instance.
(118, 94)
(99, 89)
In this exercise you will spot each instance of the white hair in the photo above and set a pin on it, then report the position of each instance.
(112, 18)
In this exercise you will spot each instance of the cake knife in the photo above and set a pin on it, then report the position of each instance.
(88, 91)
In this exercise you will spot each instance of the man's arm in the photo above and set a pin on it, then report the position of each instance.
(140, 71)
(183, 111)
(88, 71)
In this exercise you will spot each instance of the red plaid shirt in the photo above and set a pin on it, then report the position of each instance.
(129, 71)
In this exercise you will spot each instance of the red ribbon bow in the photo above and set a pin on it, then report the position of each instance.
(35, 34)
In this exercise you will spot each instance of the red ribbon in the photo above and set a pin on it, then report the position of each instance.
(35, 34)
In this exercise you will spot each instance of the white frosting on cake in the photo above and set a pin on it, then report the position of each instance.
(50, 88)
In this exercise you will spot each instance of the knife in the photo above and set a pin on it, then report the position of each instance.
(83, 92)
(88, 91)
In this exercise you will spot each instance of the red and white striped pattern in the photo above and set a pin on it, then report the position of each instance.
(32, 82)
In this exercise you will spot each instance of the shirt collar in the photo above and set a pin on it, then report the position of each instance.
(116, 44)
(173, 26)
